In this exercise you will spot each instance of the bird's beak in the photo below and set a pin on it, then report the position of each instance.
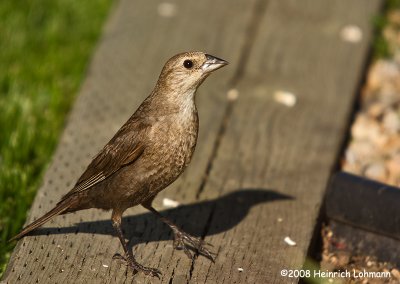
(213, 63)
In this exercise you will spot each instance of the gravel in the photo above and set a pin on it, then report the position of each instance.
(373, 152)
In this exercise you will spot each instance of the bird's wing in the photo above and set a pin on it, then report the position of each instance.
(106, 164)
(123, 149)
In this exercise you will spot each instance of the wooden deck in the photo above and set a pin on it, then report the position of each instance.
(260, 169)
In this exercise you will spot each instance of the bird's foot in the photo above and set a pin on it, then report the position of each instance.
(137, 267)
(184, 241)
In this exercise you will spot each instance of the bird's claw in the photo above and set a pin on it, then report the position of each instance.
(153, 272)
(137, 267)
(117, 256)
(184, 241)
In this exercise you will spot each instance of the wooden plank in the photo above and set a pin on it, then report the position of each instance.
(281, 45)
(268, 146)
(358, 202)
(136, 43)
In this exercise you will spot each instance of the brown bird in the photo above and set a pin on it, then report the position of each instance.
(146, 155)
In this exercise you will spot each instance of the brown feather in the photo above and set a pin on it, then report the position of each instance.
(59, 209)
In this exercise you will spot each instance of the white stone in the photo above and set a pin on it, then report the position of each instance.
(351, 33)
(289, 241)
(286, 98)
(167, 9)
(365, 128)
(391, 121)
(232, 94)
(170, 203)
(376, 171)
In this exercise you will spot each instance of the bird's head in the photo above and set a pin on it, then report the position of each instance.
(186, 71)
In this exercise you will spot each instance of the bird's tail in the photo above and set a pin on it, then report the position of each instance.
(59, 209)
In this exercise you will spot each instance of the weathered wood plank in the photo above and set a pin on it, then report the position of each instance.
(135, 44)
(358, 202)
(289, 150)
(275, 151)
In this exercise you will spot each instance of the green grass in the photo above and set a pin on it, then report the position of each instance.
(380, 45)
(45, 46)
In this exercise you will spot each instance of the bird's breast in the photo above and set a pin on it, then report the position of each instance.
(172, 143)
(178, 138)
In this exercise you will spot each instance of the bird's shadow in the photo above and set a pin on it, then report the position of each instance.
(199, 219)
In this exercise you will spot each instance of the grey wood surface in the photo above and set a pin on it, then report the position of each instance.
(260, 168)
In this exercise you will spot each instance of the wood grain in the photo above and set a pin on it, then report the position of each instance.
(260, 168)
(135, 44)
(290, 151)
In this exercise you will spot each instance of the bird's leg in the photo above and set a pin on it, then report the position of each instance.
(181, 238)
(132, 263)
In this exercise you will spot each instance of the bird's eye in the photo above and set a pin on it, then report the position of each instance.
(188, 64)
